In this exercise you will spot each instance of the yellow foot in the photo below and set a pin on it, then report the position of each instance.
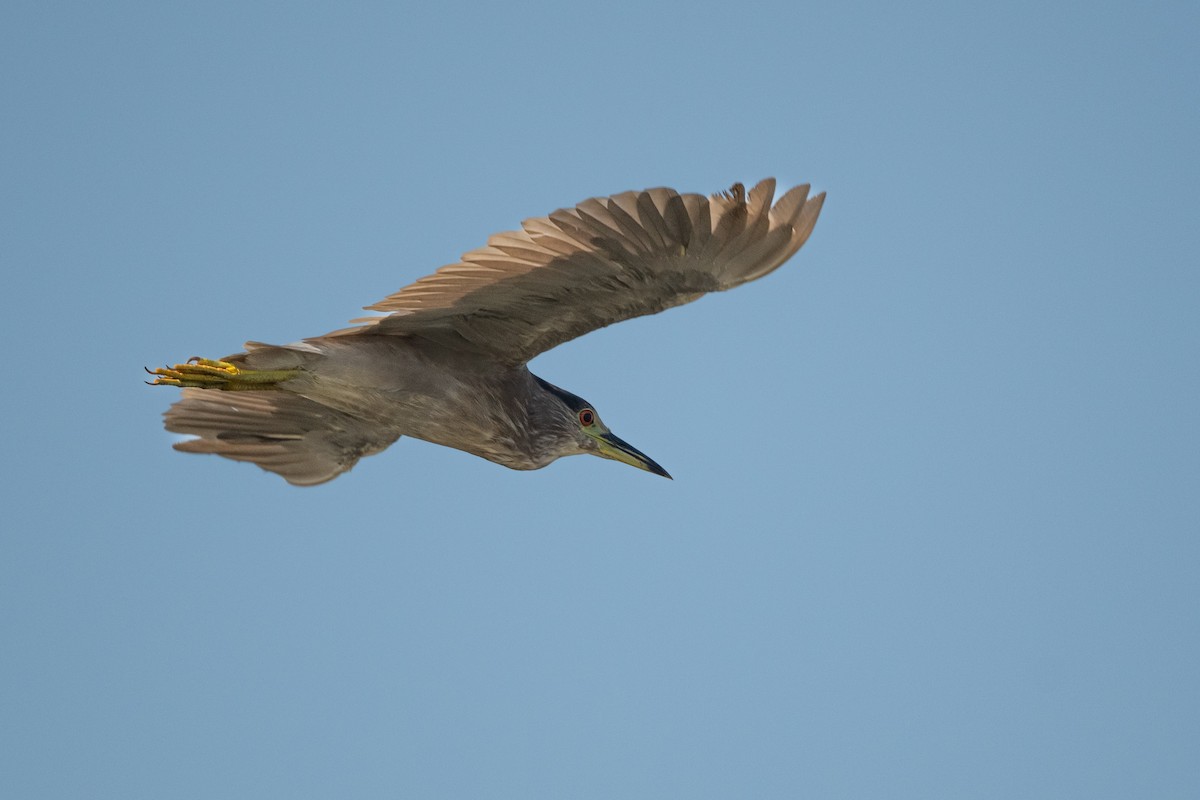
(206, 373)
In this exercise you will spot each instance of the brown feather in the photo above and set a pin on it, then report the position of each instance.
(605, 260)
(305, 442)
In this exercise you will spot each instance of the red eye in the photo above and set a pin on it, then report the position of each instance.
(587, 417)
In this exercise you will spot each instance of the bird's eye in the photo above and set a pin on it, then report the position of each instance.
(587, 417)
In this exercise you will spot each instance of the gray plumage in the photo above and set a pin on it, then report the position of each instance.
(447, 364)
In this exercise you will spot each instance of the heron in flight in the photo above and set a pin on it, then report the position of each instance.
(447, 364)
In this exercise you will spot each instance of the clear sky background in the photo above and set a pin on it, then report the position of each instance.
(935, 523)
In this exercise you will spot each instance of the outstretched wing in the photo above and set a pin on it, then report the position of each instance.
(605, 260)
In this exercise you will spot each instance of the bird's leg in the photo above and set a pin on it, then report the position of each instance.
(206, 373)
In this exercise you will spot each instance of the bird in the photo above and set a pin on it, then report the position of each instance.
(447, 363)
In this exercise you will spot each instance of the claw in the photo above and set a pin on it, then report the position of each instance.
(208, 373)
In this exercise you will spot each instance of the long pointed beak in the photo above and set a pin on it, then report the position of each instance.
(610, 446)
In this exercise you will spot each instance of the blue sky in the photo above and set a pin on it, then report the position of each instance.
(933, 528)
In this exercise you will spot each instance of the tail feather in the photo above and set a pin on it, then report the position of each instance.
(303, 441)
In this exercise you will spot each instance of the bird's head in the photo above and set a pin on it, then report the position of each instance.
(578, 418)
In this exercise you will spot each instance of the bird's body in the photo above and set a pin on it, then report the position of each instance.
(448, 365)
(406, 386)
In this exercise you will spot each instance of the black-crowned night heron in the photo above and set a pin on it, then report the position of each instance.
(448, 363)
